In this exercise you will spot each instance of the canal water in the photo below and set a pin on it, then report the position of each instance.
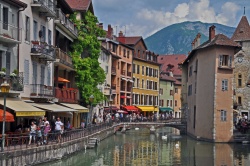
(140, 148)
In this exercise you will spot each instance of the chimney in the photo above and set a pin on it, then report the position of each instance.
(121, 34)
(211, 32)
(193, 45)
(110, 31)
(101, 25)
(198, 39)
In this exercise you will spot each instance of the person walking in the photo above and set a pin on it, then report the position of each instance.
(32, 132)
(58, 129)
(46, 131)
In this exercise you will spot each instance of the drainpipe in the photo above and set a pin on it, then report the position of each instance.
(18, 13)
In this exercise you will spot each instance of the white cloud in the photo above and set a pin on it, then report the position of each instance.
(228, 14)
(182, 10)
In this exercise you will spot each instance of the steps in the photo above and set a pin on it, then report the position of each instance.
(92, 142)
(241, 138)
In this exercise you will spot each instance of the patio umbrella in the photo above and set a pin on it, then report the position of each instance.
(8, 116)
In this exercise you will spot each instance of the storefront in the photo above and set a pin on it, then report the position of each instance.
(148, 110)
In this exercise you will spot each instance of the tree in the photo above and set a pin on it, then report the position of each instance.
(85, 54)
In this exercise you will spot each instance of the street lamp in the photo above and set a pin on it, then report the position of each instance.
(5, 88)
(91, 99)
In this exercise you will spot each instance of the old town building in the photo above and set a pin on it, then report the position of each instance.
(207, 88)
(242, 68)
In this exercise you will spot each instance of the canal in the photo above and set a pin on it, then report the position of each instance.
(139, 148)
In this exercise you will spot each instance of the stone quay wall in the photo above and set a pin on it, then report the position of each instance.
(48, 153)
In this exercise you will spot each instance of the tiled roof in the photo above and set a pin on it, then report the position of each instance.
(174, 60)
(177, 82)
(242, 31)
(132, 40)
(81, 5)
(167, 78)
(218, 40)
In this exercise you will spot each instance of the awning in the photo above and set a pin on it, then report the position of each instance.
(8, 116)
(113, 108)
(124, 79)
(52, 107)
(60, 79)
(77, 107)
(165, 109)
(148, 108)
(130, 108)
(21, 108)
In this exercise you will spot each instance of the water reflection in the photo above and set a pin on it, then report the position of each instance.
(142, 148)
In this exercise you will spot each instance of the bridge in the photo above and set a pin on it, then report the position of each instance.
(152, 125)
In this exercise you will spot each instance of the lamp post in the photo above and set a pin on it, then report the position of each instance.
(91, 99)
(5, 88)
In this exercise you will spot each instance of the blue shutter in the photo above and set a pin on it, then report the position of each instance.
(26, 72)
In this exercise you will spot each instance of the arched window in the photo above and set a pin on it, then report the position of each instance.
(239, 80)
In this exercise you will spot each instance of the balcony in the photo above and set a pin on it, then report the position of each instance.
(43, 51)
(63, 59)
(65, 24)
(129, 74)
(41, 91)
(113, 71)
(44, 7)
(123, 72)
(15, 82)
(10, 34)
(66, 95)
(123, 88)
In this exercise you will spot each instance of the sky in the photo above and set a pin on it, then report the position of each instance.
(145, 17)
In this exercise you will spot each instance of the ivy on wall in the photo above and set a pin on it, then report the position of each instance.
(85, 54)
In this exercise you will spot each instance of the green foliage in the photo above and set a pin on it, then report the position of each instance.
(3, 69)
(85, 54)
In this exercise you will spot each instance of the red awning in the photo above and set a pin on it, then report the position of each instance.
(131, 108)
(8, 116)
(123, 97)
(113, 108)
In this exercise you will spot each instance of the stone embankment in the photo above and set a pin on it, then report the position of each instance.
(48, 153)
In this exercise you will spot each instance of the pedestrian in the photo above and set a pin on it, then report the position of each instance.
(82, 124)
(40, 129)
(47, 129)
(58, 129)
(32, 132)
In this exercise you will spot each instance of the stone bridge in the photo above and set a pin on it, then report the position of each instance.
(175, 123)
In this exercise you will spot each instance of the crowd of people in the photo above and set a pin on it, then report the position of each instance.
(242, 123)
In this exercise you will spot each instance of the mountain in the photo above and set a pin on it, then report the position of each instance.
(177, 38)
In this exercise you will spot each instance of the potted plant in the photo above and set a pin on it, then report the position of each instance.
(14, 73)
(3, 72)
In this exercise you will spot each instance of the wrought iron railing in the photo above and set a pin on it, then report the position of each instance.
(44, 49)
(10, 32)
(66, 22)
(50, 5)
(14, 80)
(64, 57)
(39, 90)
(66, 95)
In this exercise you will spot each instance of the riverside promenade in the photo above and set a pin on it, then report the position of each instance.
(17, 151)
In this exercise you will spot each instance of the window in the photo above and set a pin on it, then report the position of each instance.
(224, 85)
(171, 84)
(175, 103)
(138, 69)
(161, 91)
(49, 37)
(190, 70)
(239, 80)
(142, 83)
(138, 82)
(5, 18)
(43, 33)
(175, 90)
(106, 69)
(171, 103)
(48, 76)
(128, 53)
(124, 52)
(142, 70)
(161, 103)
(146, 71)
(239, 100)
(167, 103)
(34, 65)
(189, 90)
(225, 60)
(27, 28)
(35, 31)
(171, 92)
(42, 74)
(134, 68)
(223, 115)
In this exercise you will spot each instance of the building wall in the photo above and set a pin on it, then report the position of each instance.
(168, 99)
(25, 61)
(177, 101)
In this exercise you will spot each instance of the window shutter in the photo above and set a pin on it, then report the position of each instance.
(226, 85)
(220, 60)
(223, 85)
(26, 72)
(230, 61)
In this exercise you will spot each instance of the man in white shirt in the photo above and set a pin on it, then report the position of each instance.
(58, 129)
